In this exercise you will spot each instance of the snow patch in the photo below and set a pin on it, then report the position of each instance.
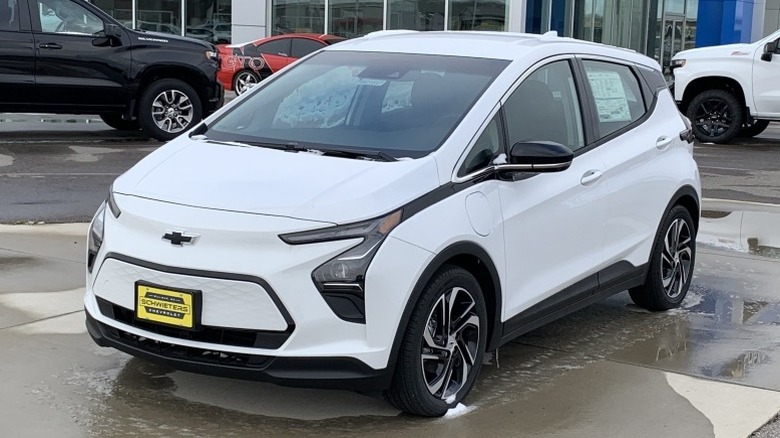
(6, 160)
(458, 411)
(84, 154)
(45, 304)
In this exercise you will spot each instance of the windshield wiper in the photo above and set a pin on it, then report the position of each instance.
(346, 153)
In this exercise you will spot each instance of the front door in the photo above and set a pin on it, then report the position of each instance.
(554, 223)
(766, 93)
(77, 65)
(17, 55)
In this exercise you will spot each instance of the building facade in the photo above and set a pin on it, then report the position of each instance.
(658, 28)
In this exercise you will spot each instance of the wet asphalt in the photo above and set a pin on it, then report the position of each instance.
(611, 370)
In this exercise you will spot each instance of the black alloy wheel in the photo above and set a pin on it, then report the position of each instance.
(717, 116)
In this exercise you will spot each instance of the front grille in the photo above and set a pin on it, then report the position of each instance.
(208, 334)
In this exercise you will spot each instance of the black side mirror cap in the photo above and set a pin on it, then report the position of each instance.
(540, 156)
(769, 49)
(113, 30)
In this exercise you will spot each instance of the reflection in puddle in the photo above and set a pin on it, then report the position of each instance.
(752, 230)
(728, 308)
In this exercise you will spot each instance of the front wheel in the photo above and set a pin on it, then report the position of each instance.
(717, 116)
(753, 129)
(443, 347)
(671, 263)
(169, 107)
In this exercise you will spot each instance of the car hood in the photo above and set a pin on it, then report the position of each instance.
(716, 51)
(271, 182)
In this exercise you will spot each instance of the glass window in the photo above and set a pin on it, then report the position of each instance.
(9, 15)
(65, 16)
(159, 16)
(290, 16)
(339, 100)
(545, 107)
(616, 94)
(583, 22)
(354, 18)
(415, 14)
(280, 47)
(209, 20)
(478, 15)
(304, 46)
(121, 10)
(485, 148)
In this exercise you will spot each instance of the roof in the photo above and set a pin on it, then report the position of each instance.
(498, 45)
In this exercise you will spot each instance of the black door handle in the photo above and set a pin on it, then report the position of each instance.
(54, 46)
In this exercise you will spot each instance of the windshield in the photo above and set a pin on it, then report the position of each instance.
(403, 105)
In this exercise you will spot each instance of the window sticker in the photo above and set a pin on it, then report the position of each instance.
(610, 96)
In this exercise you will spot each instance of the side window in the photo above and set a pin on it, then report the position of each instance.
(485, 148)
(65, 16)
(9, 15)
(303, 46)
(545, 107)
(276, 47)
(616, 95)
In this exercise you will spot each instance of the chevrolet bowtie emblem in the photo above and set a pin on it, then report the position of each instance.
(179, 238)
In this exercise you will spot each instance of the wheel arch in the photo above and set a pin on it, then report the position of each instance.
(699, 85)
(473, 258)
(688, 198)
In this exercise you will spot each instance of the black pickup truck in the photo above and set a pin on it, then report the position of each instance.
(69, 57)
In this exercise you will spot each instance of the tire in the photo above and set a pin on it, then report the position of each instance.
(116, 121)
(169, 107)
(717, 116)
(421, 386)
(753, 129)
(674, 267)
(243, 79)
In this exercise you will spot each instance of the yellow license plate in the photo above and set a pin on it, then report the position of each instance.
(165, 306)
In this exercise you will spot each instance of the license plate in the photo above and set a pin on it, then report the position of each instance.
(174, 307)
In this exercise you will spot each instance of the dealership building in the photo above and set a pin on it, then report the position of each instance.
(658, 28)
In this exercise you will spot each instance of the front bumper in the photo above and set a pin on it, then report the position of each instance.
(216, 101)
(325, 372)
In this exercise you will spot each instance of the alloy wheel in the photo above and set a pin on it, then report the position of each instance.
(244, 81)
(172, 111)
(676, 258)
(713, 117)
(450, 343)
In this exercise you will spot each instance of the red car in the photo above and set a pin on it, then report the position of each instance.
(244, 64)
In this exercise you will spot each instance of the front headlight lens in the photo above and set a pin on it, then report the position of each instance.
(95, 236)
(212, 55)
(349, 268)
(676, 63)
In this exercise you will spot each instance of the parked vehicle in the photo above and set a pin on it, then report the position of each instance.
(244, 65)
(729, 90)
(385, 211)
(70, 57)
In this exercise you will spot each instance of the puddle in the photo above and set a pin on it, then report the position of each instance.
(743, 227)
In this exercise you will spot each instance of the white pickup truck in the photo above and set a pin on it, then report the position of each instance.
(729, 90)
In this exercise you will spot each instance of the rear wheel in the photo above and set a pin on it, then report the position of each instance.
(717, 116)
(671, 263)
(244, 80)
(443, 347)
(753, 129)
(167, 108)
(116, 121)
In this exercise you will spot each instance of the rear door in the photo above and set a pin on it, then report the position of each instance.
(17, 54)
(77, 66)
(766, 93)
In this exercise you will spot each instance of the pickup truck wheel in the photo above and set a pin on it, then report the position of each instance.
(116, 121)
(717, 116)
(169, 107)
(753, 129)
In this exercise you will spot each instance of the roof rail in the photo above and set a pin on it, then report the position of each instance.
(381, 33)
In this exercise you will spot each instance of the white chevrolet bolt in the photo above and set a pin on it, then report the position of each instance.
(385, 211)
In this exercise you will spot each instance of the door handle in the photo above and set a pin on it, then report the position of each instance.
(54, 46)
(590, 177)
(663, 142)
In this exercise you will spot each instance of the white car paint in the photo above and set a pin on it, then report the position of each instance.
(542, 234)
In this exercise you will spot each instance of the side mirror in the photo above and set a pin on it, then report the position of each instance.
(539, 156)
(769, 49)
(113, 30)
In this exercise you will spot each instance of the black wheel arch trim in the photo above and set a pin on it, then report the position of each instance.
(454, 250)
(683, 192)
(209, 274)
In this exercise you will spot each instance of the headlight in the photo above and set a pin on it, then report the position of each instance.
(676, 63)
(212, 55)
(341, 279)
(95, 236)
